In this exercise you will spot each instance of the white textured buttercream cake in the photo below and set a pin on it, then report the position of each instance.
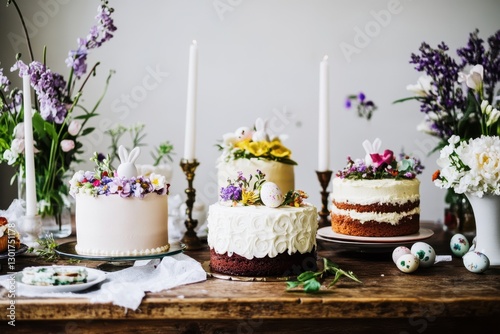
(122, 214)
(377, 197)
(248, 238)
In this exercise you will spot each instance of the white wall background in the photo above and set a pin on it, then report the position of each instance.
(256, 59)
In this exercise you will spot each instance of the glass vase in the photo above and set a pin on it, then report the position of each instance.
(458, 215)
(59, 224)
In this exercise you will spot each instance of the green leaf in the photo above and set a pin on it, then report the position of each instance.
(306, 275)
(51, 131)
(87, 131)
(292, 284)
(406, 99)
(311, 285)
(85, 116)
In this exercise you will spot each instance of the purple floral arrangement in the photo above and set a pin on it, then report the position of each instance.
(244, 191)
(449, 107)
(381, 166)
(105, 181)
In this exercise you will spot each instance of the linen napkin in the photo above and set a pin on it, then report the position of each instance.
(128, 287)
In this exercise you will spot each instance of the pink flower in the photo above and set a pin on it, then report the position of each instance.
(67, 145)
(74, 127)
(380, 159)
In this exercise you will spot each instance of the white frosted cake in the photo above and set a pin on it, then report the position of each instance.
(377, 197)
(122, 214)
(248, 238)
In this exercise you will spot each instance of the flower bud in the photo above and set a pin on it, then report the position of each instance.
(67, 145)
(74, 127)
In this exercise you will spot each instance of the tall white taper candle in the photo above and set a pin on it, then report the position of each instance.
(323, 126)
(29, 154)
(190, 133)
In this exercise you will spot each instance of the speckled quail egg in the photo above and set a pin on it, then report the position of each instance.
(459, 245)
(425, 253)
(399, 251)
(408, 263)
(476, 262)
(271, 195)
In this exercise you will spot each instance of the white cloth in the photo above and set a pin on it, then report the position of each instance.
(128, 287)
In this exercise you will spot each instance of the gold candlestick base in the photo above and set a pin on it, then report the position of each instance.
(190, 239)
(324, 214)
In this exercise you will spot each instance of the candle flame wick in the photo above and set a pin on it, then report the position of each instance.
(325, 57)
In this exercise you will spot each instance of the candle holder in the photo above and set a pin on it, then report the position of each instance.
(190, 239)
(31, 227)
(324, 214)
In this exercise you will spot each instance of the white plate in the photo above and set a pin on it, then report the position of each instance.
(365, 247)
(94, 276)
(327, 232)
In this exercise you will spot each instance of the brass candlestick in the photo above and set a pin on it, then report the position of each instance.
(190, 239)
(324, 214)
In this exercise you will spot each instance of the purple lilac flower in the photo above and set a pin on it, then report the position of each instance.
(4, 81)
(230, 193)
(50, 89)
(361, 97)
(444, 73)
(96, 37)
(475, 53)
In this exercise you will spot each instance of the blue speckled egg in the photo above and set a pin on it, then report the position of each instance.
(459, 245)
(476, 262)
(425, 253)
(408, 263)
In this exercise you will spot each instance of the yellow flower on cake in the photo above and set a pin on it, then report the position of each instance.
(278, 150)
(249, 197)
(258, 148)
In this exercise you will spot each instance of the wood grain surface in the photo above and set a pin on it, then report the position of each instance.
(440, 298)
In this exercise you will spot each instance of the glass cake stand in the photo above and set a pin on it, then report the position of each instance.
(115, 263)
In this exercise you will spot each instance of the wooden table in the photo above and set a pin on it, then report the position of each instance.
(443, 298)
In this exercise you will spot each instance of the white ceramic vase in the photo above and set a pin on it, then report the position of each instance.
(487, 216)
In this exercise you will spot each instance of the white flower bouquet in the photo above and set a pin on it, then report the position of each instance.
(470, 166)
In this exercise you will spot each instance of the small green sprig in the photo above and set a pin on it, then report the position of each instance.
(163, 153)
(47, 249)
(311, 281)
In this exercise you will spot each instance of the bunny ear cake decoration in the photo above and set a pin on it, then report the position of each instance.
(127, 168)
(371, 148)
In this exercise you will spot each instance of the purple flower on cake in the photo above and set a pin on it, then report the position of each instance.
(104, 181)
(244, 191)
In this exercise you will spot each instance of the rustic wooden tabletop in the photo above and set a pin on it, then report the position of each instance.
(443, 297)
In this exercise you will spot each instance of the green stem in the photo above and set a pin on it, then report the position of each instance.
(25, 29)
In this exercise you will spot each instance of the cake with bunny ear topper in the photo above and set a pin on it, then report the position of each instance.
(111, 207)
(378, 195)
(249, 149)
